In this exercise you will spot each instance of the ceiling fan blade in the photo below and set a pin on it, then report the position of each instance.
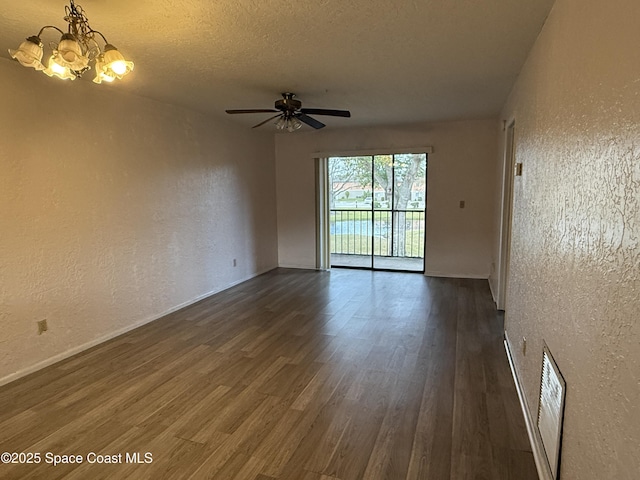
(312, 122)
(267, 120)
(252, 111)
(324, 111)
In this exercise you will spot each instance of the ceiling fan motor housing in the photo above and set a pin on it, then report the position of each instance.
(288, 103)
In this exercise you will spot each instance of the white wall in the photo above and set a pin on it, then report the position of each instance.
(575, 270)
(115, 210)
(462, 167)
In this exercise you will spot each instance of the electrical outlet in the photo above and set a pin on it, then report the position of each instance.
(42, 326)
(461, 203)
(235, 263)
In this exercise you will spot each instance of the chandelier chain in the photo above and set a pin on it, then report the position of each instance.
(78, 21)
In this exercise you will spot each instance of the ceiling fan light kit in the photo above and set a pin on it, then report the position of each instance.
(290, 114)
(289, 124)
(75, 51)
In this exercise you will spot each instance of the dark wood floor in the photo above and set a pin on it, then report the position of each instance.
(295, 375)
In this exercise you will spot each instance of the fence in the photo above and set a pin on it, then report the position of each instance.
(392, 233)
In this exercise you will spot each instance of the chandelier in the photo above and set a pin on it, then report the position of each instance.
(75, 51)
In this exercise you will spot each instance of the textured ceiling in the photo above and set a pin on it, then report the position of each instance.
(389, 62)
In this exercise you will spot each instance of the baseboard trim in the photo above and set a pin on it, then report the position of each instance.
(104, 338)
(427, 273)
(299, 267)
(544, 472)
(493, 293)
(431, 273)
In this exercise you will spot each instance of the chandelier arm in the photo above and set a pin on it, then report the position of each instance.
(100, 33)
(93, 48)
(49, 26)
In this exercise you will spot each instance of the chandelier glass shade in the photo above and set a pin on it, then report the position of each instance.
(75, 52)
(29, 53)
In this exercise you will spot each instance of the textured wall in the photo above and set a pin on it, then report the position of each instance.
(115, 209)
(462, 167)
(575, 271)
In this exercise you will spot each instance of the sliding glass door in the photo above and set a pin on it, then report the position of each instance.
(377, 211)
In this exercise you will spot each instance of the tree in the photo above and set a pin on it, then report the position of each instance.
(344, 172)
(405, 170)
(409, 169)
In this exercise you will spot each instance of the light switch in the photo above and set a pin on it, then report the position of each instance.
(518, 169)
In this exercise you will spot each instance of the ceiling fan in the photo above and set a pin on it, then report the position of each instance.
(291, 115)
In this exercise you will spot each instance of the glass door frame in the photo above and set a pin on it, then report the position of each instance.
(323, 210)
